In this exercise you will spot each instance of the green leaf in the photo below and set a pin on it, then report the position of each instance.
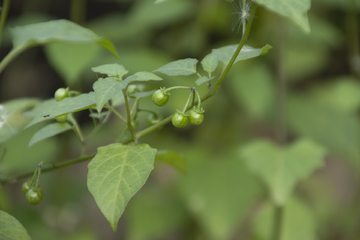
(282, 169)
(224, 54)
(219, 192)
(210, 62)
(143, 94)
(112, 70)
(296, 215)
(202, 80)
(98, 115)
(144, 76)
(50, 109)
(11, 229)
(294, 9)
(336, 129)
(49, 131)
(116, 173)
(184, 67)
(71, 60)
(53, 31)
(56, 31)
(173, 159)
(105, 89)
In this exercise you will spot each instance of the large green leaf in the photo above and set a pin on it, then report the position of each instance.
(71, 60)
(184, 67)
(53, 31)
(50, 109)
(224, 54)
(116, 173)
(219, 192)
(294, 9)
(49, 131)
(283, 168)
(335, 128)
(112, 70)
(11, 229)
(296, 215)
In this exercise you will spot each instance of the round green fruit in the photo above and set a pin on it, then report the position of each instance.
(179, 120)
(61, 118)
(26, 186)
(160, 97)
(196, 117)
(34, 196)
(131, 89)
(61, 93)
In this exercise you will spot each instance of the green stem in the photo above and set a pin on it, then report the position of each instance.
(116, 113)
(133, 133)
(78, 132)
(48, 169)
(188, 101)
(38, 176)
(241, 44)
(4, 13)
(176, 87)
(97, 127)
(78, 11)
(10, 56)
(278, 219)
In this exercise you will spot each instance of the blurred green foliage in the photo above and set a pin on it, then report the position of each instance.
(218, 198)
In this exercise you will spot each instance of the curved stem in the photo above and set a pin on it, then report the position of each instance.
(278, 217)
(188, 101)
(55, 166)
(4, 13)
(133, 133)
(116, 113)
(176, 87)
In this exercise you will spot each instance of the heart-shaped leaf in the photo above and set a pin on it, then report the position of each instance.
(116, 173)
(210, 62)
(283, 168)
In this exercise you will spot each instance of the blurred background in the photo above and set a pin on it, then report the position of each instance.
(217, 197)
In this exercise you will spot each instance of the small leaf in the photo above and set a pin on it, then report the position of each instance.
(202, 80)
(144, 76)
(50, 109)
(173, 159)
(49, 131)
(294, 9)
(143, 94)
(116, 173)
(225, 53)
(282, 169)
(105, 89)
(11, 228)
(111, 70)
(184, 67)
(210, 62)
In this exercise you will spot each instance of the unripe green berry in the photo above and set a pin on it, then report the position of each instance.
(61, 93)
